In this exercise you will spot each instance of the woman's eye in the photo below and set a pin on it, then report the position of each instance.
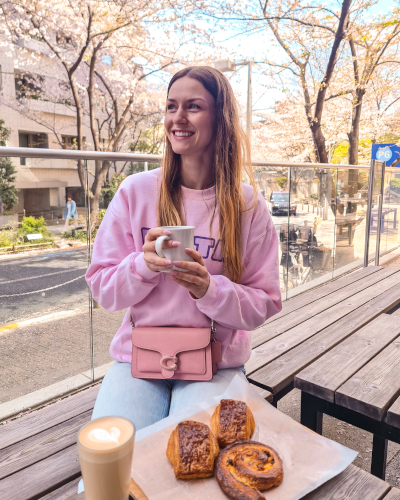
(170, 107)
(194, 106)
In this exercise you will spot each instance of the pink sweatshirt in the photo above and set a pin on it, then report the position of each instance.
(119, 278)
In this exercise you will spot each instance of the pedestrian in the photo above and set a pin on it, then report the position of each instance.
(234, 278)
(70, 210)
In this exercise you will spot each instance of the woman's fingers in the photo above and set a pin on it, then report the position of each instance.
(195, 255)
(191, 267)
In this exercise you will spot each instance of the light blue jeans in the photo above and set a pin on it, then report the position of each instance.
(146, 401)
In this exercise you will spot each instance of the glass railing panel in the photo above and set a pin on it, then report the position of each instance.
(312, 228)
(273, 182)
(391, 211)
(45, 344)
(351, 211)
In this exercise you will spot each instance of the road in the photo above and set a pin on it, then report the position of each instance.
(43, 353)
(29, 274)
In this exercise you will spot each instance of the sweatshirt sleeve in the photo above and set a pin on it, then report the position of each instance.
(257, 297)
(118, 275)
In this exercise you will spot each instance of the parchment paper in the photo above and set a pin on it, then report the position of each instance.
(309, 459)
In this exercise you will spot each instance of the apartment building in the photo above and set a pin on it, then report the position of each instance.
(36, 122)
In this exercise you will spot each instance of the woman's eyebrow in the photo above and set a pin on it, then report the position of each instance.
(189, 100)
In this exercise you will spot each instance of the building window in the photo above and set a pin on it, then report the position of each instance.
(32, 140)
(71, 141)
(28, 86)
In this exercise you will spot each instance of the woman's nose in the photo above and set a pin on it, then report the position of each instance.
(180, 116)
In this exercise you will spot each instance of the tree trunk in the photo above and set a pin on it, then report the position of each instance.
(354, 134)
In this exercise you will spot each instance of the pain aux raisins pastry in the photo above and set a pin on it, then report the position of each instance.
(192, 450)
(232, 421)
(245, 468)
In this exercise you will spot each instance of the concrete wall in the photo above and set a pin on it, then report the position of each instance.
(37, 200)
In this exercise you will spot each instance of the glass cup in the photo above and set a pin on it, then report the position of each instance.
(105, 448)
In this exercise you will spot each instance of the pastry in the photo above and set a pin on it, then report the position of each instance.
(232, 421)
(245, 468)
(192, 450)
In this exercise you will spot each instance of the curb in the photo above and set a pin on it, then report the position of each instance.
(54, 391)
(34, 253)
(41, 319)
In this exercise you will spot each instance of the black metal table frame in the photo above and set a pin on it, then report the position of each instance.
(313, 408)
(275, 397)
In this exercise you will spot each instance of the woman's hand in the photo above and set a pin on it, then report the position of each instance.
(153, 261)
(196, 279)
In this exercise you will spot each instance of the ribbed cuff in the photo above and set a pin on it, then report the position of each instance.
(210, 298)
(142, 270)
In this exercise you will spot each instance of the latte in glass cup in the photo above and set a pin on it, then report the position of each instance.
(105, 448)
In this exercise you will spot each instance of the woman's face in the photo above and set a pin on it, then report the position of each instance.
(190, 117)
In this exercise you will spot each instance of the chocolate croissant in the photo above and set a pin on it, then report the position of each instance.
(232, 421)
(245, 468)
(192, 450)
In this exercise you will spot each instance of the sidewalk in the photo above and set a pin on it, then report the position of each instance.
(40, 354)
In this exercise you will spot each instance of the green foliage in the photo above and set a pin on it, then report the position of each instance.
(281, 181)
(314, 196)
(7, 238)
(149, 141)
(113, 187)
(15, 234)
(395, 185)
(135, 168)
(8, 193)
(340, 153)
(79, 236)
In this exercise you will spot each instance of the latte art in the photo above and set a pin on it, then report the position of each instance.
(103, 436)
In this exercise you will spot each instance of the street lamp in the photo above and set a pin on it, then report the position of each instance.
(228, 65)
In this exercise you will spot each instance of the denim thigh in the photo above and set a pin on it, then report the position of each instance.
(188, 393)
(143, 401)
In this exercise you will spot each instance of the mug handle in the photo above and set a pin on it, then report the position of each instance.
(159, 242)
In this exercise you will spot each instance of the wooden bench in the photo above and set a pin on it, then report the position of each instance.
(314, 323)
(358, 381)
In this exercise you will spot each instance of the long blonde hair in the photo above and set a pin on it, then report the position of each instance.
(232, 159)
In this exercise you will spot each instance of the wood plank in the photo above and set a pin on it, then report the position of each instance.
(316, 293)
(263, 393)
(65, 492)
(42, 445)
(396, 312)
(393, 414)
(394, 494)
(269, 331)
(276, 347)
(276, 375)
(43, 477)
(42, 419)
(323, 377)
(374, 388)
(352, 484)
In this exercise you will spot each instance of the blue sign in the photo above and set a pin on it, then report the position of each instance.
(390, 153)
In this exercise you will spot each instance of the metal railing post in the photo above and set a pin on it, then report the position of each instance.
(369, 212)
(146, 166)
(379, 221)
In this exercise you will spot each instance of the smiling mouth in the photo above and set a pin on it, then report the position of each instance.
(179, 133)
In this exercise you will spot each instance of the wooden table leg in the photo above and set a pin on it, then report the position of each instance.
(309, 416)
(379, 454)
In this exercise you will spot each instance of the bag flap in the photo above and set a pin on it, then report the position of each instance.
(169, 341)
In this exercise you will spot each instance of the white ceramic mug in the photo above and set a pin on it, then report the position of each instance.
(183, 234)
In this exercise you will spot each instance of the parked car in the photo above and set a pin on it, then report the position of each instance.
(280, 203)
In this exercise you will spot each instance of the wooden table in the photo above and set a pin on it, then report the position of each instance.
(38, 454)
(313, 323)
(358, 382)
(352, 484)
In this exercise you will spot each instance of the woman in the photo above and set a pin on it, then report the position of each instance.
(234, 279)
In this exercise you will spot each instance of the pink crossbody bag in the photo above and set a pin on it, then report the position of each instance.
(174, 353)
